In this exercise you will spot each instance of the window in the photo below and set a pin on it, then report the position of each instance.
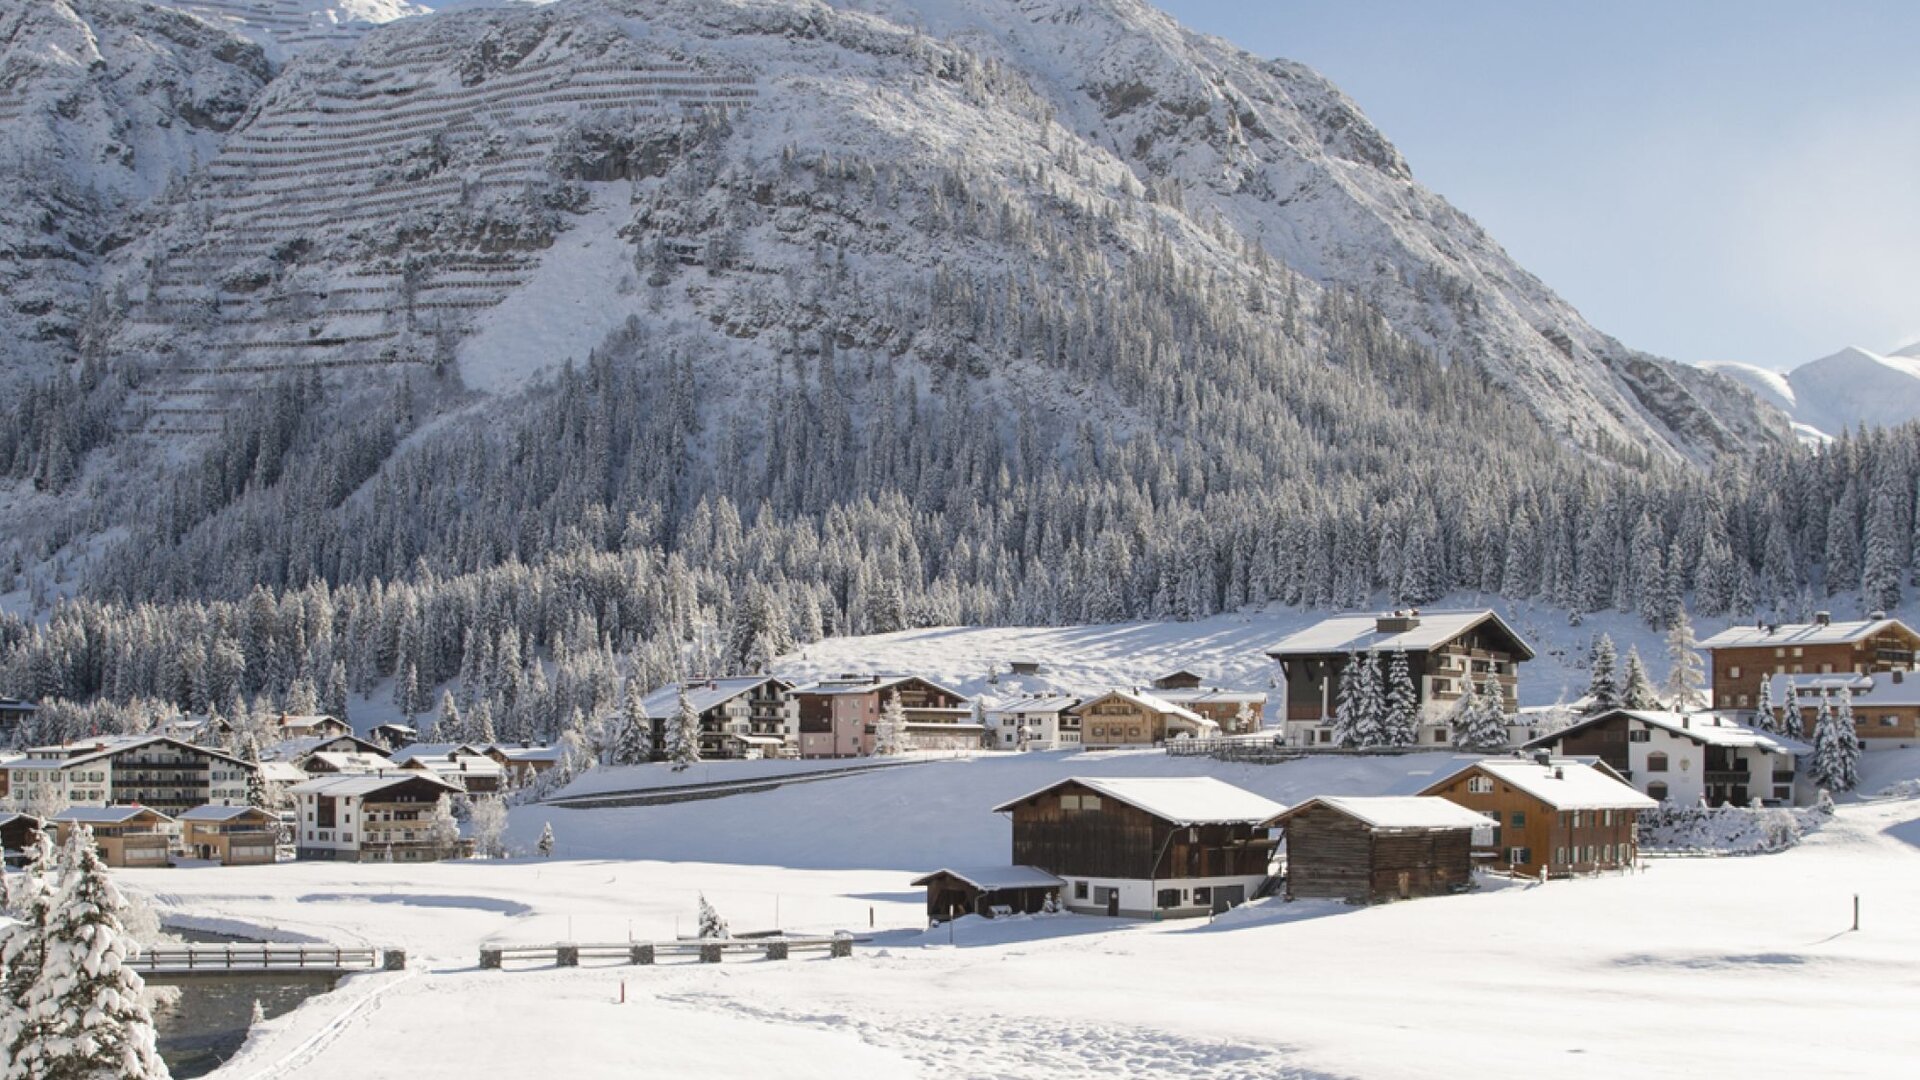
(1133, 732)
(1639, 735)
(1519, 819)
(1798, 652)
(1889, 721)
(1559, 856)
(1826, 669)
(1606, 817)
(1779, 652)
(1069, 802)
(1440, 734)
(1479, 785)
(1576, 819)
(1089, 802)
(1657, 790)
(1608, 850)
(1589, 852)
(1518, 855)
(1656, 762)
(1733, 672)
(1169, 898)
(1203, 897)
(1079, 890)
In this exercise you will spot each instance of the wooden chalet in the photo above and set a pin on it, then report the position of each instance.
(1685, 759)
(464, 765)
(317, 725)
(741, 716)
(17, 832)
(987, 891)
(15, 716)
(522, 762)
(1740, 657)
(1445, 651)
(1552, 817)
(393, 736)
(230, 835)
(1886, 704)
(1181, 679)
(1237, 712)
(1155, 847)
(126, 836)
(837, 717)
(1371, 850)
(1136, 718)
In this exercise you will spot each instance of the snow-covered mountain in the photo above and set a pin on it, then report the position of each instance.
(1836, 393)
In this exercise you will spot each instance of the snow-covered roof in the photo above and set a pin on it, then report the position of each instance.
(1037, 703)
(1182, 800)
(867, 684)
(1705, 728)
(106, 815)
(88, 750)
(299, 747)
(8, 817)
(1881, 689)
(220, 813)
(344, 785)
(1398, 811)
(1152, 702)
(703, 693)
(1213, 696)
(1813, 633)
(1560, 783)
(525, 753)
(756, 740)
(281, 772)
(1361, 633)
(444, 751)
(992, 878)
(357, 761)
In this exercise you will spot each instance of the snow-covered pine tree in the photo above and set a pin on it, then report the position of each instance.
(1485, 725)
(1401, 725)
(634, 745)
(1346, 704)
(86, 1015)
(890, 731)
(1763, 712)
(1464, 717)
(1603, 688)
(683, 735)
(1243, 721)
(257, 793)
(1370, 706)
(443, 828)
(30, 897)
(451, 727)
(545, 846)
(1686, 678)
(711, 924)
(489, 824)
(406, 692)
(1792, 717)
(1637, 691)
(1836, 746)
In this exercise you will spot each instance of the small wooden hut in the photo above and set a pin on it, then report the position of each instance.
(988, 891)
(1371, 850)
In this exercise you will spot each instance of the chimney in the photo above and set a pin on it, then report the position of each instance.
(1398, 622)
(1876, 616)
(1897, 675)
(1542, 757)
(1823, 618)
(1559, 773)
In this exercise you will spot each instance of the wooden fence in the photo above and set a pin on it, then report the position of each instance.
(643, 953)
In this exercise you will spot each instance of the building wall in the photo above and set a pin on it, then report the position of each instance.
(1735, 674)
(1554, 842)
(1140, 897)
(1063, 833)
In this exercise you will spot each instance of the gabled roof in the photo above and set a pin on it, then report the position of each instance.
(356, 761)
(298, 748)
(867, 684)
(1151, 702)
(1179, 800)
(1704, 728)
(1561, 783)
(1813, 633)
(704, 694)
(1398, 811)
(106, 815)
(1212, 696)
(443, 751)
(88, 750)
(524, 753)
(352, 784)
(1036, 703)
(222, 813)
(1361, 633)
(8, 817)
(281, 772)
(992, 878)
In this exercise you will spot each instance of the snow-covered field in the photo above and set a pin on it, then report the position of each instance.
(1736, 967)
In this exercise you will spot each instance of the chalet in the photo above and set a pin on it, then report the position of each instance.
(461, 764)
(384, 817)
(988, 891)
(1370, 850)
(1159, 847)
(393, 736)
(1238, 712)
(1136, 718)
(742, 716)
(296, 752)
(1886, 704)
(1025, 665)
(318, 725)
(1739, 657)
(520, 764)
(199, 730)
(1445, 650)
(17, 833)
(1181, 679)
(837, 717)
(1552, 817)
(1037, 722)
(15, 716)
(327, 762)
(127, 836)
(230, 835)
(124, 770)
(1685, 759)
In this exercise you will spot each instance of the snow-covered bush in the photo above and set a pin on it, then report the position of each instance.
(711, 924)
(1725, 830)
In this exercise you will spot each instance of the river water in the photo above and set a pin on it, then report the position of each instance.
(208, 1021)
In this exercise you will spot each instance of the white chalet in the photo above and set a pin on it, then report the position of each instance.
(124, 770)
(370, 817)
(1035, 722)
(1684, 759)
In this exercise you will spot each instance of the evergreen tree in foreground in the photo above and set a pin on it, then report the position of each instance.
(1792, 720)
(1836, 746)
(1370, 708)
(1346, 704)
(889, 734)
(1603, 689)
(683, 735)
(1686, 678)
(30, 896)
(711, 924)
(1463, 719)
(1763, 711)
(634, 744)
(1401, 726)
(1484, 725)
(1638, 691)
(545, 846)
(87, 1017)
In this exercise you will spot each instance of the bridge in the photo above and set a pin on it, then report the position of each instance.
(642, 953)
(169, 962)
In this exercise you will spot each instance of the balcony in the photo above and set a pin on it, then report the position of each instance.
(1727, 776)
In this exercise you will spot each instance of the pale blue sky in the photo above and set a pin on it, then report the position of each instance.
(1704, 179)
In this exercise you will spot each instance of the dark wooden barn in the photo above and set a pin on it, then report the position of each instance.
(16, 833)
(988, 891)
(1371, 850)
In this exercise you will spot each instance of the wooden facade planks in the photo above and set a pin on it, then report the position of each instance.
(1335, 856)
(1114, 840)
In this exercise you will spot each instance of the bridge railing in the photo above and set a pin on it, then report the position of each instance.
(172, 959)
(642, 953)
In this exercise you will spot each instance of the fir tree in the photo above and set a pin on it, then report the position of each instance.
(1370, 705)
(1686, 686)
(634, 744)
(1483, 725)
(1464, 717)
(257, 793)
(1763, 713)
(489, 823)
(443, 828)
(30, 898)
(889, 732)
(450, 727)
(1603, 691)
(1402, 722)
(1792, 718)
(86, 1013)
(683, 736)
(545, 846)
(711, 924)
(1638, 693)
(1346, 705)
(1836, 746)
